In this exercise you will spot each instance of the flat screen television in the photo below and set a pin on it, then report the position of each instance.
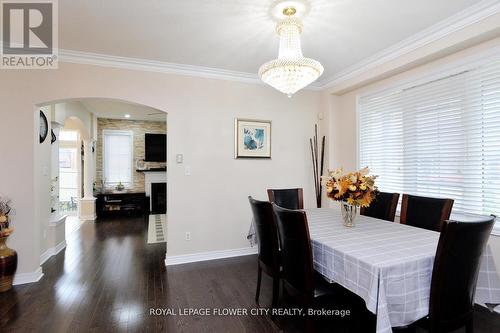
(156, 147)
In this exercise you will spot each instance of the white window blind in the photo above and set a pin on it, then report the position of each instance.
(118, 156)
(437, 139)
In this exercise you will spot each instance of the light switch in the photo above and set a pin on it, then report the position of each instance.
(187, 170)
(179, 158)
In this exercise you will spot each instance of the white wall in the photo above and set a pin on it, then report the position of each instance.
(43, 173)
(77, 117)
(342, 110)
(212, 202)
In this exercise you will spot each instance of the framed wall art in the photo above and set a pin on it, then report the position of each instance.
(252, 138)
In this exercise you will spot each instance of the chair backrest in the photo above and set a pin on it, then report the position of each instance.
(456, 268)
(267, 231)
(426, 213)
(382, 207)
(296, 252)
(292, 198)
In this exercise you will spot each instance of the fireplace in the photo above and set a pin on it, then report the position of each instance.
(158, 198)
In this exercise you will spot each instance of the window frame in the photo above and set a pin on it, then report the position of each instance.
(453, 68)
(128, 133)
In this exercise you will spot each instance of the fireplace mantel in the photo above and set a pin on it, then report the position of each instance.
(151, 177)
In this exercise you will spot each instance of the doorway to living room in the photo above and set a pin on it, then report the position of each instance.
(110, 160)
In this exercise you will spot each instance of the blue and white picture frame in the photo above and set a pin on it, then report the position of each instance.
(252, 138)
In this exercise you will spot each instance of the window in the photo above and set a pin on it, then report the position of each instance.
(118, 155)
(438, 139)
(67, 135)
(68, 171)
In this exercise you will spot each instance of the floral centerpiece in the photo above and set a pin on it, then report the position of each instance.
(353, 190)
(5, 210)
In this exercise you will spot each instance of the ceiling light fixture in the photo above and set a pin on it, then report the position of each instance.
(291, 71)
(127, 116)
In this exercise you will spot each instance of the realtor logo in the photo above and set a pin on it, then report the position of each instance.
(29, 34)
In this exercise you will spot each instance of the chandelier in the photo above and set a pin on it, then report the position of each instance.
(291, 71)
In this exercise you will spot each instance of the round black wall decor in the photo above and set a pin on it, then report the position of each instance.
(53, 137)
(44, 127)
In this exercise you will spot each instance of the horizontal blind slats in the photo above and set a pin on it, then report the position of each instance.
(441, 138)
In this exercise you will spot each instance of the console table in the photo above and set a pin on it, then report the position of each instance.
(121, 203)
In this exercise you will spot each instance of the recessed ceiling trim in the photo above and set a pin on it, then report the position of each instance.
(80, 57)
(461, 20)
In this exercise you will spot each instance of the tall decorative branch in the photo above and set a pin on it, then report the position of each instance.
(318, 161)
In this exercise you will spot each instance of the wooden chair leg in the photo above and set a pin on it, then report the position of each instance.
(469, 327)
(259, 278)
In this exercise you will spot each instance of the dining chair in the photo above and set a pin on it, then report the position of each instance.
(292, 198)
(455, 272)
(424, 212)
(269, 256)
(300, 282)
(382, 207)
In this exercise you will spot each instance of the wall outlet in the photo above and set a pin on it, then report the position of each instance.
(179, 158)
(188, 236)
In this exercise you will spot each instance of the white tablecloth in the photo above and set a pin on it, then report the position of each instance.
(388, 264)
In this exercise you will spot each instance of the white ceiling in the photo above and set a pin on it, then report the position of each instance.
(112, 109)
(239, 35)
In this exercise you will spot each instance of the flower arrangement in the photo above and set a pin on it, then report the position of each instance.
(356, 188)
(5, 210)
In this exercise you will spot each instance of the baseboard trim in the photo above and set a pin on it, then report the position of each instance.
(211, 255)
(88, 217)
(30, 277)
(52, 252)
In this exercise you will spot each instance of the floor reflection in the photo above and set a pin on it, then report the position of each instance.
(103, 281)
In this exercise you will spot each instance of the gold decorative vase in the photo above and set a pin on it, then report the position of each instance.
(349, 213)
(8, 265)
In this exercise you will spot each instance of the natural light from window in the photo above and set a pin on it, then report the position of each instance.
(437, 139)
(118, 157)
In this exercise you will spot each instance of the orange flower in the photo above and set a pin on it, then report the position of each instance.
(356, 188)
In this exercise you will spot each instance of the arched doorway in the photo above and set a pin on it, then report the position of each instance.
(99, 123)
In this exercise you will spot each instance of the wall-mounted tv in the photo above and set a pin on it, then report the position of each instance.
(156, 147)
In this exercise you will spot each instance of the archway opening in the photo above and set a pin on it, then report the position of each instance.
(104, 159)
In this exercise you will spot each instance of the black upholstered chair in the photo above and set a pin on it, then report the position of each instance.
(269, 256)
(292, 198)
(454, 276)
(300, 282)
(382, 207)
(426, 213)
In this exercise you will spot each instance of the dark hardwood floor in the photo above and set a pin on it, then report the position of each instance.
(109, 278)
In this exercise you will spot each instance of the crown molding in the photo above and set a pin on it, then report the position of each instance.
(97, 59)
(461, 20)
(80, 57)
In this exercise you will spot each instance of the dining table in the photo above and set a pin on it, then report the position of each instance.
(388, 264)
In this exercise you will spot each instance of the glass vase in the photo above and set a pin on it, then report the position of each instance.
(349, 213)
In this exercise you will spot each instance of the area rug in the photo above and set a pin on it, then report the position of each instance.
(157, 229)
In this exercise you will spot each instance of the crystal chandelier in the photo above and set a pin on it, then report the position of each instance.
(291, 71)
